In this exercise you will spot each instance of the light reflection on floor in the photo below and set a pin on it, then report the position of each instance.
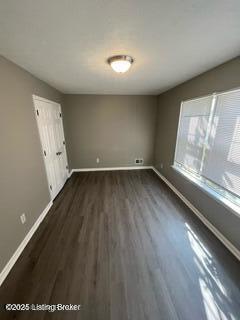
(212, 289)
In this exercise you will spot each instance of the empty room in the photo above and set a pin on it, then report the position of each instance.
(120, 160)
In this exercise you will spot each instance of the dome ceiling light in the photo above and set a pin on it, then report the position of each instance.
(120, 63)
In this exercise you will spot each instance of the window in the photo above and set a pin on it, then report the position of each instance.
(208, 142)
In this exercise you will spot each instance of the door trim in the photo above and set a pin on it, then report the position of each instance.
(38, 98)
(35, 97)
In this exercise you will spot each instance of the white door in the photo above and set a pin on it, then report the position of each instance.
(50, 126)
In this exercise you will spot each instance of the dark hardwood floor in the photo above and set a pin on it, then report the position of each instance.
(123, 246)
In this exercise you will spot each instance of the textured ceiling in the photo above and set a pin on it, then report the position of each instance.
(66, 42)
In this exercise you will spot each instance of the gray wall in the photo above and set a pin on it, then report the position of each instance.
(224, 77)
(23, 182)
(117, 129)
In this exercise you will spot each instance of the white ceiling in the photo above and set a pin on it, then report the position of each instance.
(66, 42)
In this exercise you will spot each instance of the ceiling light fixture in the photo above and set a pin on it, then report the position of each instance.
(121, 63)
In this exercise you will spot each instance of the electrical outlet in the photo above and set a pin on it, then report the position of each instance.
(23, 218)
(97, 160)
(139, 161)
(161, 165)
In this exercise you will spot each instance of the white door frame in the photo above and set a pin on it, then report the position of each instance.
(38, 98)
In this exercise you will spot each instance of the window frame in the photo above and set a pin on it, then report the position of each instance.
(211, 188)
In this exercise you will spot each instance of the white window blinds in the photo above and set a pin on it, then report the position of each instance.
(192, 130)
(222, 160)
(208, 141)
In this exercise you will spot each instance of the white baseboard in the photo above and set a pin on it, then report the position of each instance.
(25, 241)
(23, 244)
(208, 224)
(111, 169)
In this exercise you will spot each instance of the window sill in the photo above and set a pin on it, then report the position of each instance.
(209, 191)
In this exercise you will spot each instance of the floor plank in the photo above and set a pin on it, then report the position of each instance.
(123, 246)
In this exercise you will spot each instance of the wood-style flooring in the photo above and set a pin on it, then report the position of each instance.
(124, 247)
